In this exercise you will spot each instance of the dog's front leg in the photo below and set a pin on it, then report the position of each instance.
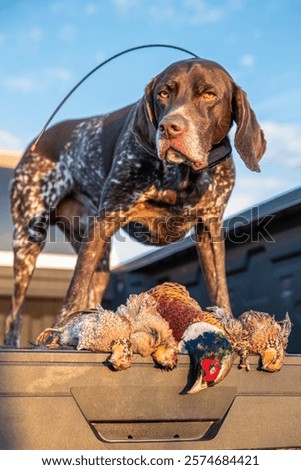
(211, 250)
(100, 231)
(100, 279)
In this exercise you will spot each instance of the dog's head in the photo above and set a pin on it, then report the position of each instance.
(189, 108)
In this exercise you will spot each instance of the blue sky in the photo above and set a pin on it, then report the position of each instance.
(47, 46)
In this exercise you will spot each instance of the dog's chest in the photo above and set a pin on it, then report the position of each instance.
(168, 209)
(179, 190)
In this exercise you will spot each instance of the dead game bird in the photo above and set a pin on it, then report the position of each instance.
(151, 334)
(134, 328)
(198, 333)
(97, 330)
(263, 335)
(256, 333)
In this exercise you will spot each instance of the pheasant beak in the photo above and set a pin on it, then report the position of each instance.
(206, 373)
(198, 385)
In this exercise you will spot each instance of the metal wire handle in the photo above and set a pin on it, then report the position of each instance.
(94, 70)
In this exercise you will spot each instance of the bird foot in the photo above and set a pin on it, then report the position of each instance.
(45, 335)
(54, 344)
(245, 365)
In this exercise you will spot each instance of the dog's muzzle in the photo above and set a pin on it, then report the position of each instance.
(175, 145)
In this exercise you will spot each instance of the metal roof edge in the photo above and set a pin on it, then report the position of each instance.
(9, 158)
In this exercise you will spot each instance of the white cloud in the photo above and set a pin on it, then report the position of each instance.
(280, 168)
(284, 102)
(183, 11)
(247, 60)
(74, 8)
(57, 73)
(29, 39)
(90, 8)
(9, 141)
(67, 33)
(125, 5)
(284, 143)
(19, 83)
(37, 81)
(202, 11)
(34, 34)
(63, 8)
(253, 189)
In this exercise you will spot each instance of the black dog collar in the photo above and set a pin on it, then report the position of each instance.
(219, 153)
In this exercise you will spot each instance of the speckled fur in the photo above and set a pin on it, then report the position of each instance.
(127, 169)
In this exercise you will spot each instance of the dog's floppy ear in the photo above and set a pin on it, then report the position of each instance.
(249, 139)
(145, 124)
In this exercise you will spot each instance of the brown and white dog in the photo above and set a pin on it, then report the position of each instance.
(149, 168)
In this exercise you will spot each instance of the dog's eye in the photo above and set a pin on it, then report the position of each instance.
(163, 94)
(208, 95)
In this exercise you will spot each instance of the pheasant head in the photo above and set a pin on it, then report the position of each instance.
(210, 353)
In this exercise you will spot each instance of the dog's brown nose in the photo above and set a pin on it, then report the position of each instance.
(171, 126)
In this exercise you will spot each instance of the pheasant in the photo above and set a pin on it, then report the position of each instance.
(198, 333)
(263, 335)
(136, 327)
(256, 333)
